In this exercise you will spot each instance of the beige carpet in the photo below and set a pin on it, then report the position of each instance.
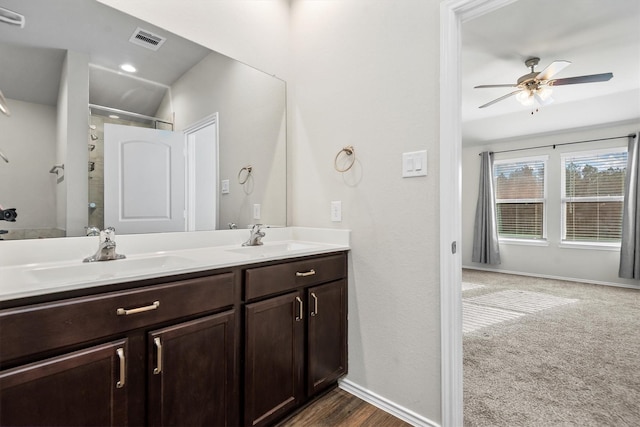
(570, 357)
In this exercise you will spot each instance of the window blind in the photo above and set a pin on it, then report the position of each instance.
(593, 194)
(520, 198)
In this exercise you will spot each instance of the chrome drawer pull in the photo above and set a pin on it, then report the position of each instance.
(123, 368)
(158, 369)
(126, 312)
(315, 304)
(300, 310)
(305, 273)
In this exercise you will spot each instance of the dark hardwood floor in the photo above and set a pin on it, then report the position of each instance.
(339, 408)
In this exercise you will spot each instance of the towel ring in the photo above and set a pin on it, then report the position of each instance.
(55, 168)
(350, 152)
(247, 174)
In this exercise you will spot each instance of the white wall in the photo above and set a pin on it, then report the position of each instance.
(251, 107)
(28, 139)
(365, 73)
(61, 149)
(72, 150)
(594, 265)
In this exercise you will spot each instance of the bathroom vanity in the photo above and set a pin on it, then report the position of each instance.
(243, 339)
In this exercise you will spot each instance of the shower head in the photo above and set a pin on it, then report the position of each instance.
(3, 105)
(4, 157)
(12, 18)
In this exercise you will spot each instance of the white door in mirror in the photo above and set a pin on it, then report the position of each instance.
(144, 179)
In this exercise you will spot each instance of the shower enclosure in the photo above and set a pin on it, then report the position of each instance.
(99, 116)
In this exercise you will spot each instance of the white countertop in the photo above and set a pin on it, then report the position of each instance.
(38, 267)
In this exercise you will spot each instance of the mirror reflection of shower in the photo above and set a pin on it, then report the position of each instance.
(99, 116)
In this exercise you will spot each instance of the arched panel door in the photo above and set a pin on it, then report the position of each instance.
(144, 179)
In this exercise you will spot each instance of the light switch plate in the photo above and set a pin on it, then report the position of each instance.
(225, 186)
(256, 211)
(336, 211)
(414, 164)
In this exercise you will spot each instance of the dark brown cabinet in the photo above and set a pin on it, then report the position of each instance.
(83, 388)
(180, 338)
(327, 335)
(295, 343)
(190, 374)
(274, 345)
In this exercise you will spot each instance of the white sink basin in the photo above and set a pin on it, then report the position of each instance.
(272, 249)
(99, 270)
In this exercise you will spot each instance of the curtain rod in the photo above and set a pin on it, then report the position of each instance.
(128, 113)
(633, 135)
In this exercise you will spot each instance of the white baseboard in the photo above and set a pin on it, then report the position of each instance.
(386, 405)
(548, 276)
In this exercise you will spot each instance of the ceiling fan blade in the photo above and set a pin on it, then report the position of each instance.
(486, 86)
(552, 69)
(500, 99)
(592, 78)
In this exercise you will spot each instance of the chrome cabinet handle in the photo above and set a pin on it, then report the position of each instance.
(123, 368)
(300, 312)
(126, 312)
(305, 273)
(158, 369)
(315, 304)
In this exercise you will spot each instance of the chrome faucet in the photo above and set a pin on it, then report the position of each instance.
(255, 236)
(92, 231)
(107, 247)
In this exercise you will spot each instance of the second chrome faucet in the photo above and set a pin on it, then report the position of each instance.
(106, 248)
(256, 235)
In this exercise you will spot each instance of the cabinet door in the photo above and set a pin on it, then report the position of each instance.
(192, 373)
(274, 346)
(327, 351)
(84, 388)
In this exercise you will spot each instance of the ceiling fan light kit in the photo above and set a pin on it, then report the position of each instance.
(536, 86)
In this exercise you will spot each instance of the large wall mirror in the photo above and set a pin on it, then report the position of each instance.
(62, 80)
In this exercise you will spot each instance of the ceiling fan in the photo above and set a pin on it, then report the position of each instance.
(536, 85)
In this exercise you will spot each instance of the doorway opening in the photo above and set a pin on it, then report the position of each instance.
(452, 14)
(202, 178)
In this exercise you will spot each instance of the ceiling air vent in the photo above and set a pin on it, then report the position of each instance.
(147, 39)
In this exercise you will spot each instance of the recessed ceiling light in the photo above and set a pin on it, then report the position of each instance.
(113, 116)
(128, 68)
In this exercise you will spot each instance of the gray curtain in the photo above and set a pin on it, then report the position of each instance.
(485, 233)
(630, 246)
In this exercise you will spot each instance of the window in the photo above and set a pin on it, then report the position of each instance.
(521, 197)
(593, 195)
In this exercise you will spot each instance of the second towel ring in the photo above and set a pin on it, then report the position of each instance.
(351, 153)
(247, 174)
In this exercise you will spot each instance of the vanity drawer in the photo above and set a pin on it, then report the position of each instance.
(42, 327)
(263, 281)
